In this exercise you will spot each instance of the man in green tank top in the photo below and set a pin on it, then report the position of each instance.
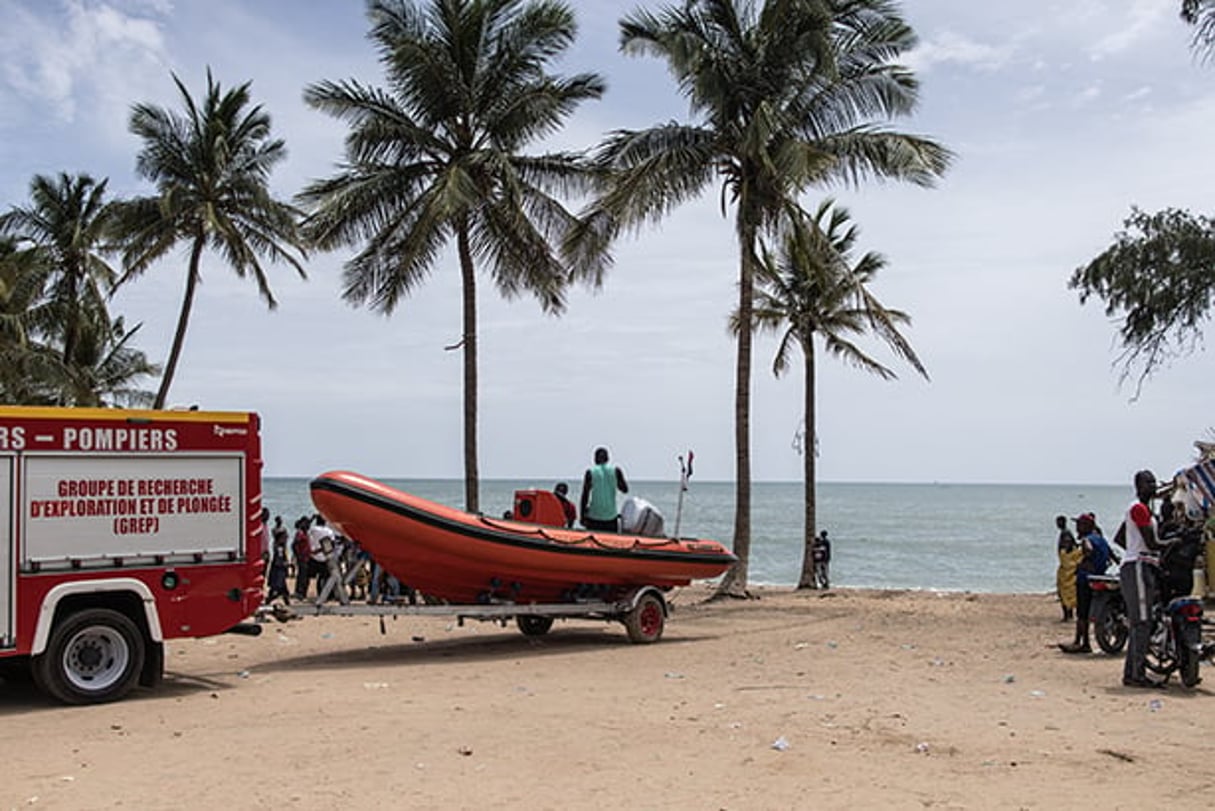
(599, 487)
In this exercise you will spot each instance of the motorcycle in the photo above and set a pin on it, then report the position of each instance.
(1176, 641)
(1175, 644)
(1108, 613)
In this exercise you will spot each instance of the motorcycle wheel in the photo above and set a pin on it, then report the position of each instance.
(1190, 645)
(1161, 657)
(1109, 626)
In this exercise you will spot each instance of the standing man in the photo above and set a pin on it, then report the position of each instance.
(322, 542)
(820, 551)
(1140, 577)
(277, 577)
(599, 487)
(303, 558)
(1096, 560)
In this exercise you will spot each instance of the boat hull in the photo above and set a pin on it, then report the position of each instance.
(464, 558)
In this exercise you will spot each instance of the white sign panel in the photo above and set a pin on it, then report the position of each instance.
(6, 552)
(88, 507)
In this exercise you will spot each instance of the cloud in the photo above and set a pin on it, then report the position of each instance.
(1142, 19)
(1090, 93)
(80, 52)
(951, 48)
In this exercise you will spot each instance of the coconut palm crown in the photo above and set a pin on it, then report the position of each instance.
(66, 223)
(211, 167)
(1201, 15)
(785, 95)
(811, 291)
(434, 157)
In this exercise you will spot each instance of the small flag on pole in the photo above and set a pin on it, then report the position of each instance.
(685, 471)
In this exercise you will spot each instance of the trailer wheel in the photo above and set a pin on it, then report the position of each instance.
(646, 621)
(94, 656)
(533, 624)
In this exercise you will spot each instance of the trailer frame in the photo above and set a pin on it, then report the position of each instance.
(642, 611)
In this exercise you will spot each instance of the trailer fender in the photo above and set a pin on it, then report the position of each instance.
(634, 598)
(46, 615)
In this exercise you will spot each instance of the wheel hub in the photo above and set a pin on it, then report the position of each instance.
(95, 658)
(88, 658)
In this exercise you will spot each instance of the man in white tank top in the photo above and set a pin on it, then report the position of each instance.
(1139, 576)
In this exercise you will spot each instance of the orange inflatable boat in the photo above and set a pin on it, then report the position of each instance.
(464, 558)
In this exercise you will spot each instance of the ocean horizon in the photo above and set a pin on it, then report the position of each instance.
(996, 538)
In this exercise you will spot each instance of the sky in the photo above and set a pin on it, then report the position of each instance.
(1062, 115)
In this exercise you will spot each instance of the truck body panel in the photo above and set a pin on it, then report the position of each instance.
(154, 514)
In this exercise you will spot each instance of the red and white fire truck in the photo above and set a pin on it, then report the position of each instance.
(120, 529)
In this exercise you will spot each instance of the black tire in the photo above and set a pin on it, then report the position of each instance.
(1110, 626)
(1189, 648)
(533, 624)
(645, 623)
(1161, 659)
(93, 656)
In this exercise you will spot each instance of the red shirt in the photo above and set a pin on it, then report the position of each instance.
(571, 514)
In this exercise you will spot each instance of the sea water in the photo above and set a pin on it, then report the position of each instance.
(954, 537)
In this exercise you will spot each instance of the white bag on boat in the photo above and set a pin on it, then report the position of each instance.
(640, 517)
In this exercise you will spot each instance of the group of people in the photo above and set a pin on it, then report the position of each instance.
(1139, 574)
(597, 505)
(315, 553)
(1081, 556)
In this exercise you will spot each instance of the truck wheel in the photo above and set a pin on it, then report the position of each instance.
(93, 656)
(645, 622)
(533, 624)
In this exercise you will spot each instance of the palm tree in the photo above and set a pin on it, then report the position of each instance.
(211, 167)
(103, 368)
(785, 96)
(106, 368)
(23, 275)
(435, 157)
(1201, 15)
(810, 290)
(66, 222)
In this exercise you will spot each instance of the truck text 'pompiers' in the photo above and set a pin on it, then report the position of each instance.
(120, 529)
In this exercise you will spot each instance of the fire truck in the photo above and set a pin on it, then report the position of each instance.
(119, 530)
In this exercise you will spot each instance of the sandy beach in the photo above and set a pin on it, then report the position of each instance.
(792, 700)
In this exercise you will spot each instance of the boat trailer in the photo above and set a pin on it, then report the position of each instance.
(643, 612)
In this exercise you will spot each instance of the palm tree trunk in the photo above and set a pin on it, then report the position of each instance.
(734, 584)
(809, 462)
(72, 327)
(183, 319)
(468, 274)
